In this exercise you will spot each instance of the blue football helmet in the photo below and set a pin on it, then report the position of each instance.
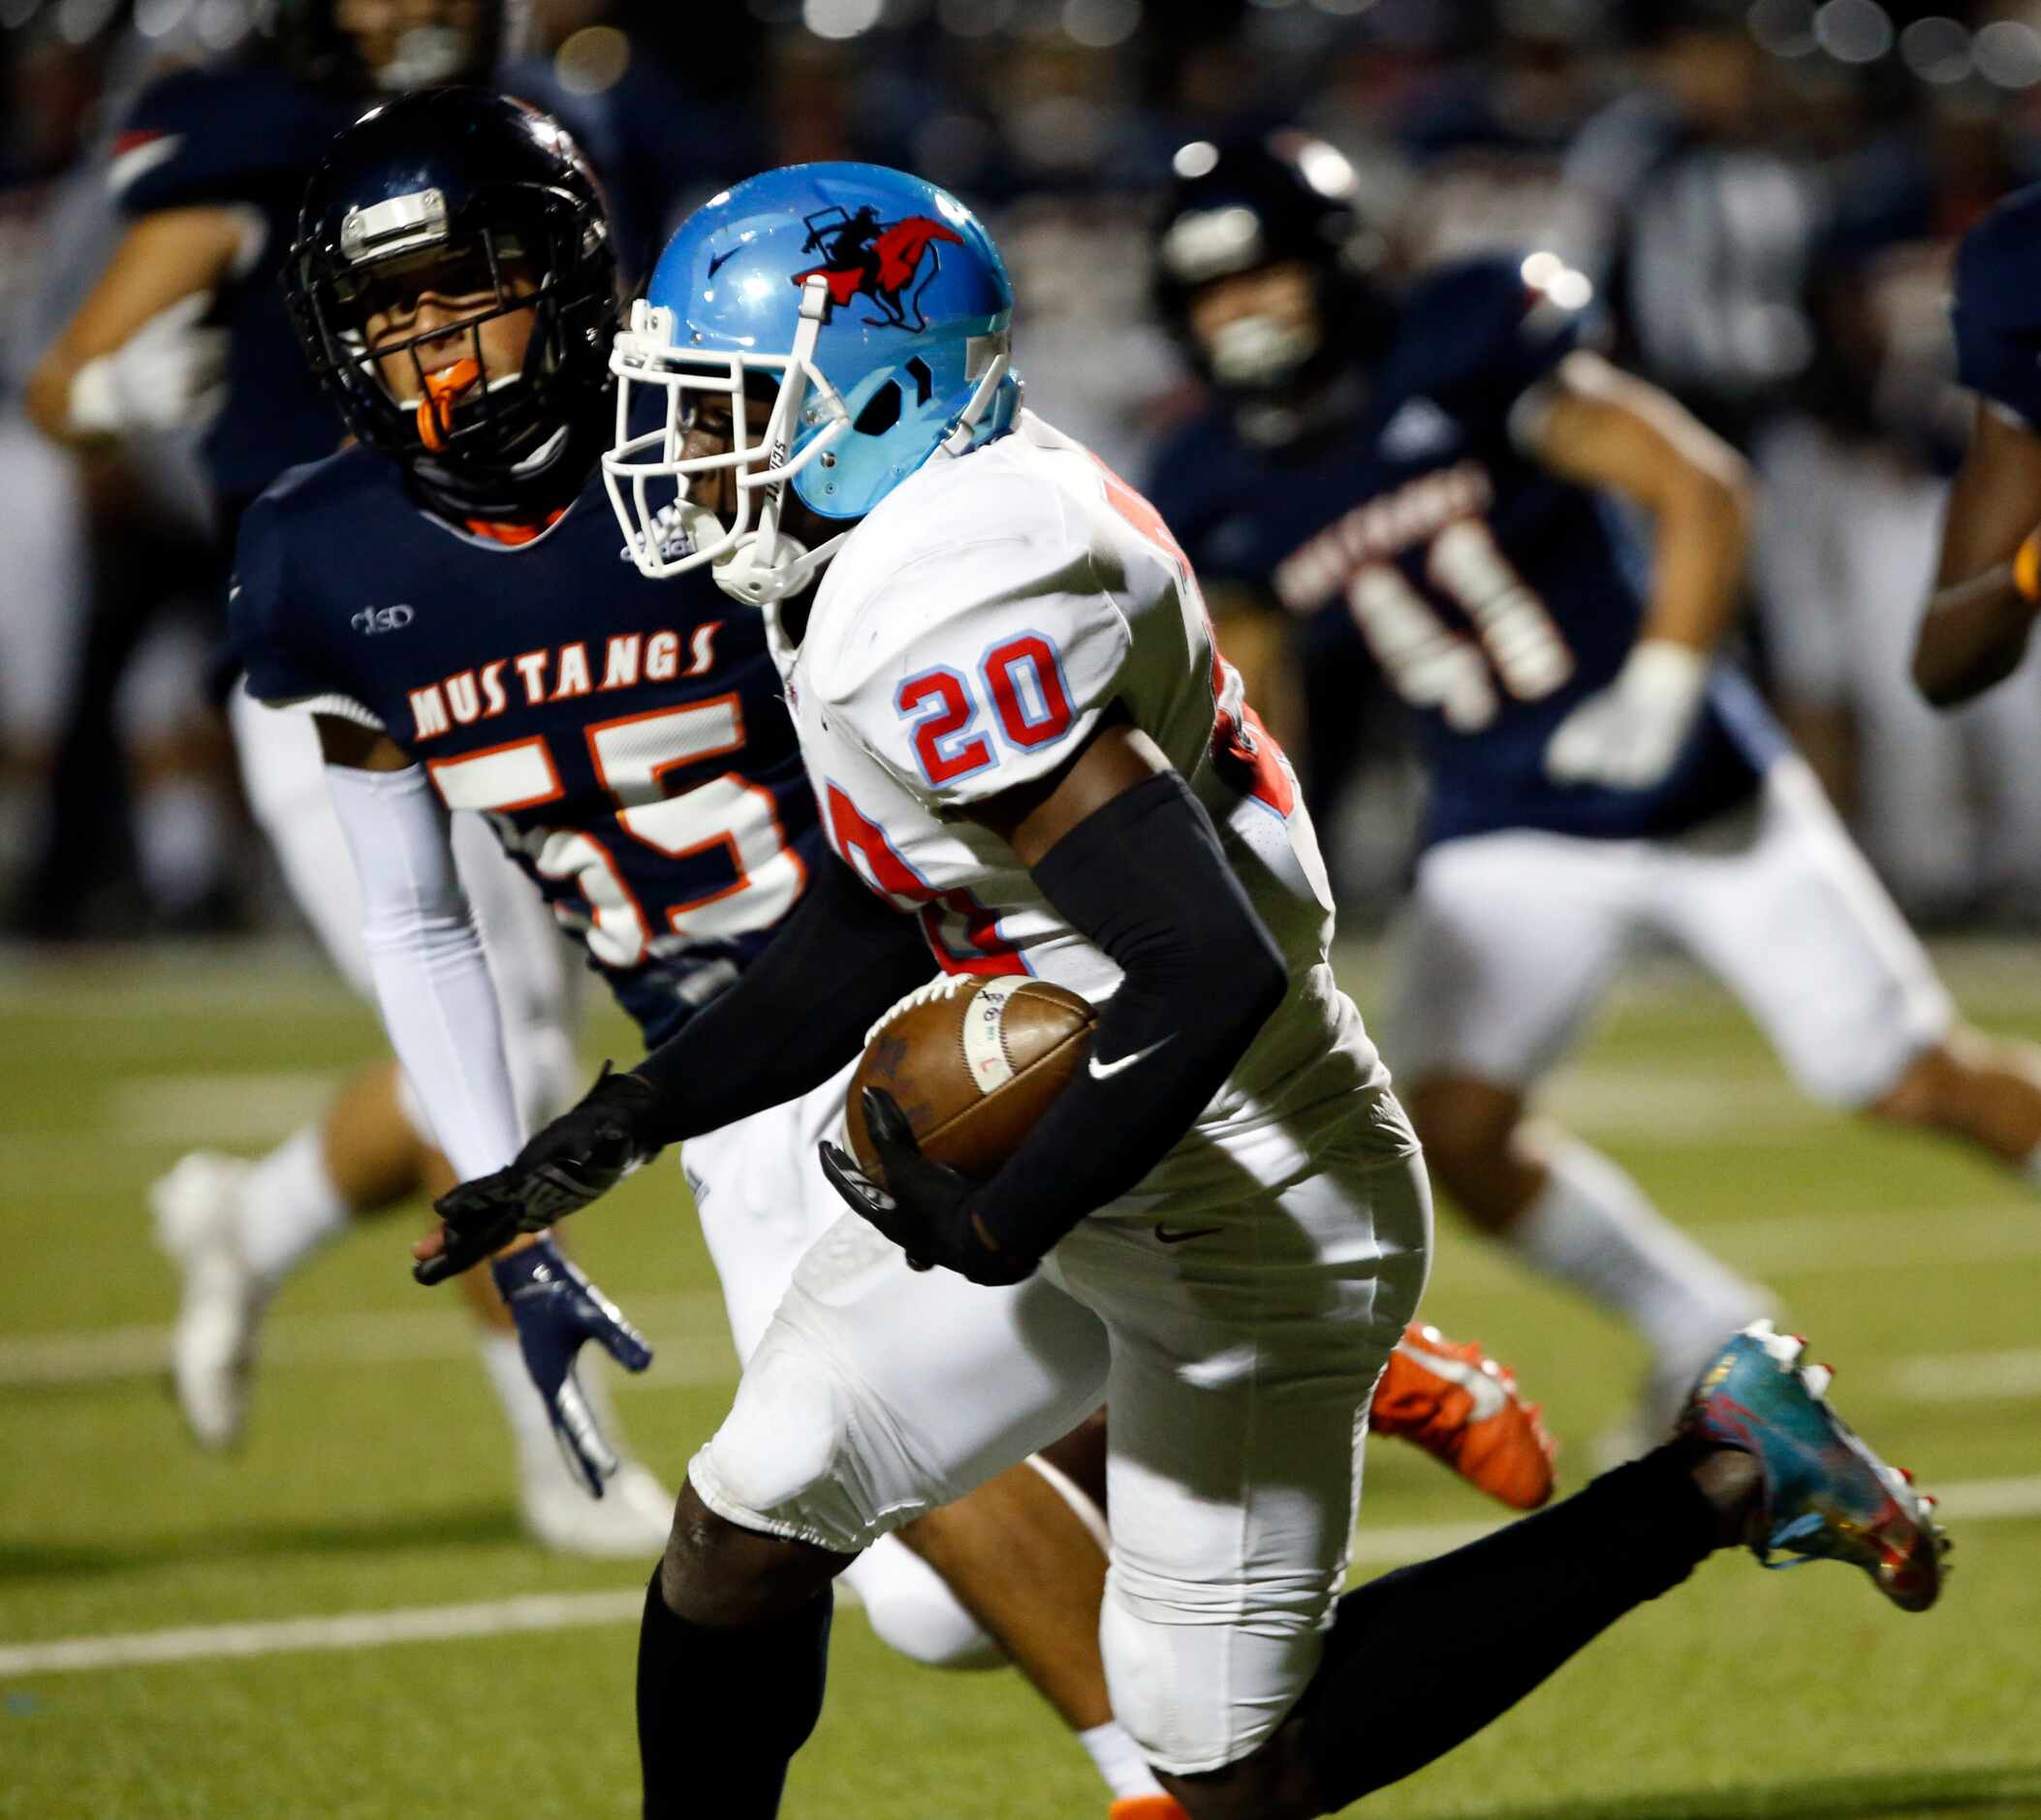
(869, 305)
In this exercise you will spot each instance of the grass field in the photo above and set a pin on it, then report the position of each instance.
(376, 1480)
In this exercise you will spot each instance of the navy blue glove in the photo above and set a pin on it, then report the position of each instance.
(923, 1207)
(556, 1310)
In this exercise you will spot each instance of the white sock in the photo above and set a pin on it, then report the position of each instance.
(523, 1408)
(1120, 1761)
(1592, 1229)
(290, 1207)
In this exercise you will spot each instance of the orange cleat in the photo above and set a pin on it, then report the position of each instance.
(1146, 1807)
(1463, 1409)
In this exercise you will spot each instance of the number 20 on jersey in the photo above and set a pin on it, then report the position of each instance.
(1019, 695)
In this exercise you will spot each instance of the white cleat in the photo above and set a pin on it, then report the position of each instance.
(629, 1521)
(196, 1208)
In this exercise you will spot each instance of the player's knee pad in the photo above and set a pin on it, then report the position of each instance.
(914, 1611)
(1193, 1685)
(783, 1461)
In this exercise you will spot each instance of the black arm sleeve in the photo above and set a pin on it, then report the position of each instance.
(1144, 878)
(798, 1014)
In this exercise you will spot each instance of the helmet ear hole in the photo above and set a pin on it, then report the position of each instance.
(924, 380)
(882, 410)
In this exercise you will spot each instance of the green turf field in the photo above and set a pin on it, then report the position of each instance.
(376, 1480)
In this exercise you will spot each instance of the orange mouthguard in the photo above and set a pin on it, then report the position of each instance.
(435, 410)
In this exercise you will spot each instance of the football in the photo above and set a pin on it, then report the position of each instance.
(973, 1062)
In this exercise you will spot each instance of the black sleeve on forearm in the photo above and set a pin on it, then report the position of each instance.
(798, 1014)
(1144, 879)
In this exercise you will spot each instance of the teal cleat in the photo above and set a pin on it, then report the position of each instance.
(1827, 1495)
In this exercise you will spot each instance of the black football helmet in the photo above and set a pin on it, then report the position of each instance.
(402, 46)
(495, 199)
(1246, 203)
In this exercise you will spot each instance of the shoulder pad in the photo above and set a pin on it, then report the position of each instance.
(224, 133)
(265, 605)
(971, 667)
(1492, 326)
(1999, 264)
(1996, 310)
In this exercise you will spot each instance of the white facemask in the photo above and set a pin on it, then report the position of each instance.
(1260, 351)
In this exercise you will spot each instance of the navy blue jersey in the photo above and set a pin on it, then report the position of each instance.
(1492, 596)
(242, 135)
(625, 736)
(1997, 313)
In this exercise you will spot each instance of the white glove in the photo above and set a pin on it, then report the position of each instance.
(168, 374)
(1628, 735)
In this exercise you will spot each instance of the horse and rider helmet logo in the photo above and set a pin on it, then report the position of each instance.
(891, 264)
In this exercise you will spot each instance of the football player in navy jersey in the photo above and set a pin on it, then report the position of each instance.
(185, 324)
(449, 602)
(1988, 586)
(1426, 480)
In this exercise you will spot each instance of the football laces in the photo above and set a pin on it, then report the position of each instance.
(943, 986)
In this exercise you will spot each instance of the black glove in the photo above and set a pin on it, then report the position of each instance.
(924, 1206)
(581, 1156)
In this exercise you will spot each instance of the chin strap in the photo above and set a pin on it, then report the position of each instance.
(754, 584)
(742, 574)
(443, 390)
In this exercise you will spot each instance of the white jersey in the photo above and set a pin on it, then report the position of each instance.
(966, 640)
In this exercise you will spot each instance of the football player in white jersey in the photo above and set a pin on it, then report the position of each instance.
(1023, 740)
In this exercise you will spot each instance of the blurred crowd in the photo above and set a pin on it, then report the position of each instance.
(1765, 196)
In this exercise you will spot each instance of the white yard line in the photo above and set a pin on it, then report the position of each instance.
(238, 1108)
(1965, 1503)
(1840, 1242)
(343, 1630)
(1982, 1500)
(1968, 1377)
(1832, 1243)
(690, 1327)
(690, 1333)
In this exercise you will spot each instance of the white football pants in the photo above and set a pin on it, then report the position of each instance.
(1236, 1333)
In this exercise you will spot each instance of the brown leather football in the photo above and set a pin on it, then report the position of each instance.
(973, 1062)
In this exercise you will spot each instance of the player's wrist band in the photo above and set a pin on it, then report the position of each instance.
(2027, 569)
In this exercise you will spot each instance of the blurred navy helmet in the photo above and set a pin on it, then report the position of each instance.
(1245, 206)
(869, 305)
(396, 46)
(486, 204)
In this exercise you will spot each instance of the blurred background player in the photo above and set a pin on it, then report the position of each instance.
(1980, 618)
(1852, 476)
(454, 286)
(1424, 478)
(186, 326)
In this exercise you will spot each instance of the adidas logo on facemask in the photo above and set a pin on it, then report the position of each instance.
(670, 527)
